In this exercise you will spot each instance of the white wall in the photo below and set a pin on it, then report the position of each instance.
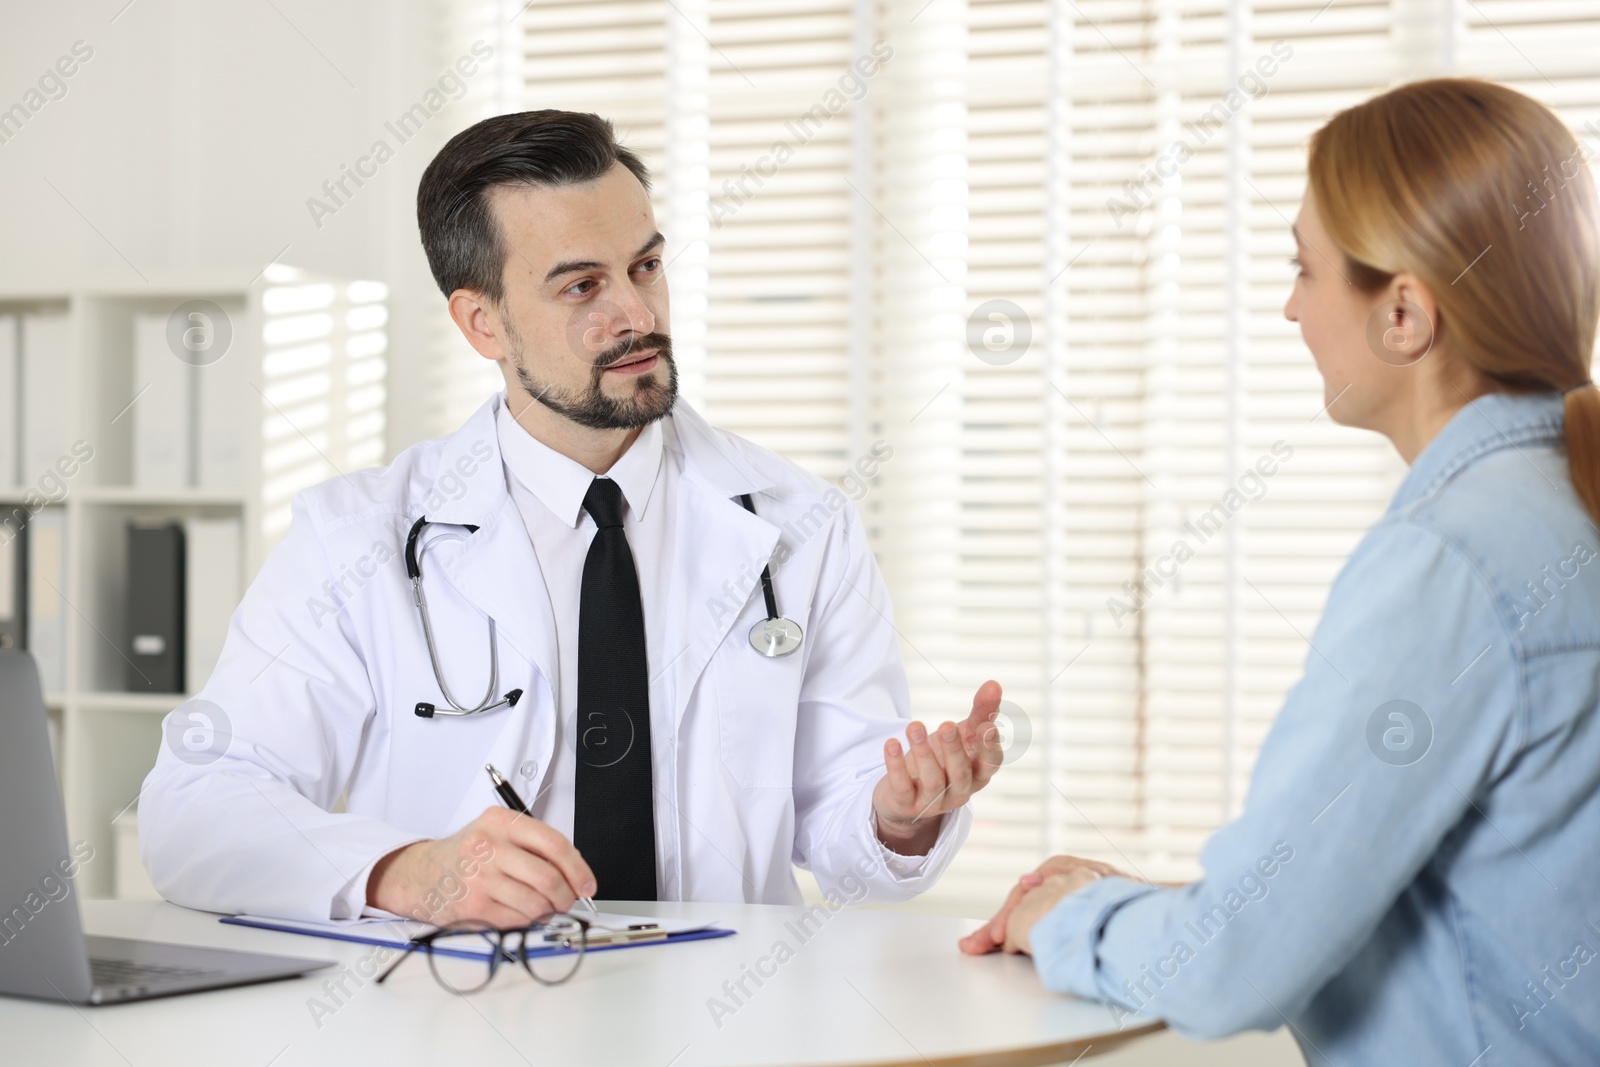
(193, 136)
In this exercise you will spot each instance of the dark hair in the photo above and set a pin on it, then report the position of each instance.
(463, 244)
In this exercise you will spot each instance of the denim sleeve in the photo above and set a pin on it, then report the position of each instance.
(1410, 697)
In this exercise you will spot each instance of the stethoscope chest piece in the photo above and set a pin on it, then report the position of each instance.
(773, 636)
(776, 637)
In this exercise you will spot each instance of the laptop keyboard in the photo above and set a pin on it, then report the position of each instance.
(106, 973)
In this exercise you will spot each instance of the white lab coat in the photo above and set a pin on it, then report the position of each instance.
(772, 762)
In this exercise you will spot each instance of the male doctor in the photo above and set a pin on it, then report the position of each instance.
(588, 563)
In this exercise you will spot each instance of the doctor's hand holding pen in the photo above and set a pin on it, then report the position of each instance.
(504, 868)
(939, 774)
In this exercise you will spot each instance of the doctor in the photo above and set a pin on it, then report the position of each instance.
(588, 553)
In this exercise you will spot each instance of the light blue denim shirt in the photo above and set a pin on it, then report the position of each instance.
(1415, 878)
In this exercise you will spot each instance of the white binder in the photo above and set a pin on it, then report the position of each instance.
(46, 393)
(10, 403)
(226, 404)
(162, 433)
(213, 550)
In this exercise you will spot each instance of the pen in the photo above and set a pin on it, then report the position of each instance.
(509, 797)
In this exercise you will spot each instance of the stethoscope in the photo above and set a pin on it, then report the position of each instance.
(424, 709)
(772, 637)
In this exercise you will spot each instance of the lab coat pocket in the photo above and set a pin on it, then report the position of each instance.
(757, 700)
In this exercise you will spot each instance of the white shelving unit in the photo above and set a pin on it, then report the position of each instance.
(305, 374)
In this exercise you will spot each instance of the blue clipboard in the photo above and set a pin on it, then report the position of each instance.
(356, 936)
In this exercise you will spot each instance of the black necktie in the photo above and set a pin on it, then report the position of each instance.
(613, 823)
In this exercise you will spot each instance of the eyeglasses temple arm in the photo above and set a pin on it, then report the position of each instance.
(409, 949)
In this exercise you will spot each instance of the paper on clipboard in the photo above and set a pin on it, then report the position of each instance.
(399, 933)
(607, 920)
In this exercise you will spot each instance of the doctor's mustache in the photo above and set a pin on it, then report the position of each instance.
(617, 353)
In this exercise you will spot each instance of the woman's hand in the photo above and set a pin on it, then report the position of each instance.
(1031, 899)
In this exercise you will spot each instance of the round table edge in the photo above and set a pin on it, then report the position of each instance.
(1056, 1052)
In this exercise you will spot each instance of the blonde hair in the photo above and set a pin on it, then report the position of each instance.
(1485, 195)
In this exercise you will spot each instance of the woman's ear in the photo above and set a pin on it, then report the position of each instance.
(1404, 325)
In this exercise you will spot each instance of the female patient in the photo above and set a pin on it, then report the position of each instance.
(1416, 874)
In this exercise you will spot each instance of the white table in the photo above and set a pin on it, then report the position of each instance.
(867, 987)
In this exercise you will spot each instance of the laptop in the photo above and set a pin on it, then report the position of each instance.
(43, 950)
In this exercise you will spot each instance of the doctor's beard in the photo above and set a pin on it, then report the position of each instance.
(649, 401)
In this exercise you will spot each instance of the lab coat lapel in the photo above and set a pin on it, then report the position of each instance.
(721, 550)
(496, 570)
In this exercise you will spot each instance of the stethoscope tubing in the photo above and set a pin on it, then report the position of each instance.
(772, 637)
(424, 709)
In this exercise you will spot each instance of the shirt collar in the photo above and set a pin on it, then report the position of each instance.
(1488, 424)
(560, 482)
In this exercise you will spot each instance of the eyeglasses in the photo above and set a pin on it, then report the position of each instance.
(464, 956)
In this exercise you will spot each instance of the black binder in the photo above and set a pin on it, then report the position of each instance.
(155, 608)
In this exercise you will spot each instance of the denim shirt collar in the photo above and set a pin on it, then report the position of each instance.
(1488, 424)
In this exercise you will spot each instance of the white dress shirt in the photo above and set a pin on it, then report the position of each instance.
(548, 489)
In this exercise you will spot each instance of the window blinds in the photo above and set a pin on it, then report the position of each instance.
(1112, 485)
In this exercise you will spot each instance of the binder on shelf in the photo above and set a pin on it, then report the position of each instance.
(47, 602)
(14, 585)
(10, 402)
(46, 359)
(155, 608)
(162, 422)
(225, 404)
(212, 560)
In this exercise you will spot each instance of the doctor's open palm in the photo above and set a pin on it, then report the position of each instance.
(938, 775)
